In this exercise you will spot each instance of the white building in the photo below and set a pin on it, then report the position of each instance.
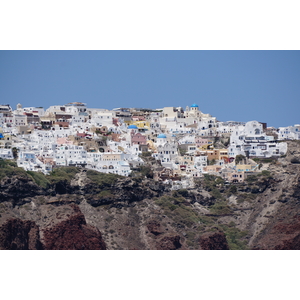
(252, 141)
(200, 162)
(6, 153)
(29, 162)
(166, 151)
(289, 133)
(70, 155)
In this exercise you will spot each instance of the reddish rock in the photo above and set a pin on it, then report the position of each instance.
(281, 236)
(16, 234)
(213, 241)
(169, 243)
(154, 227)
(73, 234)
(289, 244)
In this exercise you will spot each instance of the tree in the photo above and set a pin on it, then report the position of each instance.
(211, 162)
(15, 152)
(239, 158)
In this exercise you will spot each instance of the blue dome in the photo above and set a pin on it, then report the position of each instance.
(194, 105)
(132, 127)
(161, 136)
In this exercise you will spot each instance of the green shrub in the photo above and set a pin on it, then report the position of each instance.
(206, 220)
(265, 173)
(263, 160)
(251, 178)
(105, 194)
(39, 178)
(183, 192)
(208, 177)
(182, 150)
(216, 193)
(9, 168)
(103, 180)
(146, 154)
(267, 160)
(146, 171)
(220, 208)
(219, 180)
(176, 209)
(239, 158)
(234, 236)
(232, 189)
(62, 174)
(246, 197)
(211, 162)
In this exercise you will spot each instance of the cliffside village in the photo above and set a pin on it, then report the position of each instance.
(182, 144)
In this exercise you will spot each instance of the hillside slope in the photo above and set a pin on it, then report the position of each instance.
(75, 208)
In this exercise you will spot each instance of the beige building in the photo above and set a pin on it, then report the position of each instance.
(216, 154)
(212, 169)
(111, 157)
(235, 177)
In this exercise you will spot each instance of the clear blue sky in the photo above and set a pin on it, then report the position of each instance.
(230, 85)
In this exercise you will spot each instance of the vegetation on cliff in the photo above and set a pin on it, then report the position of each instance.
(139, 213)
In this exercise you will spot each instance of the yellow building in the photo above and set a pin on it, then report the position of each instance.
(140, 124)
(151, 145)
(217, 154)
(5, 140)
(206, 147)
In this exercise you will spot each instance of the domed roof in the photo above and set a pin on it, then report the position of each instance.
(194, 105)
(132, 127)
(162, 136)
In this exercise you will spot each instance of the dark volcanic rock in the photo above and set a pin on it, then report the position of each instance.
(282, 236)
(17, 188)
(169, 243)
(213, 241)
(73, 234)
(16, 234)
(154, 227)
(126, 190)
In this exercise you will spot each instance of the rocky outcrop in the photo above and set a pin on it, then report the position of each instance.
(16, 234)
(213, 241)
(171, 242)
(124, 191)
(290, 244)
(154, 227)
(16, 188)
(140, 213)
(281, 236)
(73, 234)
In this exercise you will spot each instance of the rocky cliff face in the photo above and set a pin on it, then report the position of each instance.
(213, 241)
(72, 233)
(83, 209)
(16, 234)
